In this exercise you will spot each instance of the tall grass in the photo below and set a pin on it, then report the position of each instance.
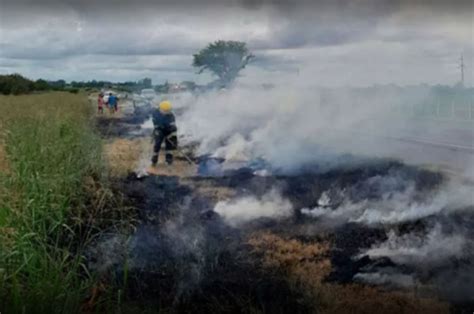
(51, 151)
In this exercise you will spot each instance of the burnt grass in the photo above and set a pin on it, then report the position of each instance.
(121, 126)
(183, 258)
(304, 190)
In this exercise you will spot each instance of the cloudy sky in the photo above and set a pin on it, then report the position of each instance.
(328, 43)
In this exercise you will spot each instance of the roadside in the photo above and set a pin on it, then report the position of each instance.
(54, 198)
(97, 237)
(185, 256)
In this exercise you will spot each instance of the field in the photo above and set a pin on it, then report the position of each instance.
(184, 256)
(83, 231)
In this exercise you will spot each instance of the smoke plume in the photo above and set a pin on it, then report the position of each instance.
(288, 126)
(238, 211)
(386, 277)
(398, 202)
(415, 249)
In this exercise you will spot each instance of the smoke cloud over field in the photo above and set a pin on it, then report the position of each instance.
(287, 126)
(241, 210)
(390, 278)
(294, 128)
(415, 249)
(435, 256)
(290, 125)
(398, 203)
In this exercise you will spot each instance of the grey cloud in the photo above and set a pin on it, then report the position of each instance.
(272, 62)
(251, 4)
(320, 23)
(145, 68)
(391, 38)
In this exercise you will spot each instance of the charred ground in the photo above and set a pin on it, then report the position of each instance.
(184, 257)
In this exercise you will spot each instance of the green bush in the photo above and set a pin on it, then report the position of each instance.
(41, 85)
(73, 90)
(15, 84)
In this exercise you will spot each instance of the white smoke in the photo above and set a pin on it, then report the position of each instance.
(386, 278)
(291, 124)
(395, 206)
(146, 150)
(236, 148)
(287, 126)
(245, 209)
(415, 249)
(423, 253)
(147, 125)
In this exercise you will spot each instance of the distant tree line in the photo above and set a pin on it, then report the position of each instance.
(128, 86)
(17, 84)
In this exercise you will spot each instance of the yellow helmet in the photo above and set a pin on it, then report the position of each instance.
(165, 106)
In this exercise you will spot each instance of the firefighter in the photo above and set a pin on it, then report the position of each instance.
(164, 130)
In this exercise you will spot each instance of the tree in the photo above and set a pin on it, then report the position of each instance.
(223, 58)
(58, 85)
(41, 85)
(15, 84)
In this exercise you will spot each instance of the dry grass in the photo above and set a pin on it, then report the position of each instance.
(4, 167)
(294, 258)
(7, 237)
(306, 265)
(211, 191)
(180, 168)
(343, 299)
(123, 155)
(127, 155)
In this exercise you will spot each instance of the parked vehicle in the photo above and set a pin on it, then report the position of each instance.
(148, 93)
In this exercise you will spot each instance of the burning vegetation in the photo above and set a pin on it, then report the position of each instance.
(321, 166)
(226, 232)
(369, 236)
(306, 266)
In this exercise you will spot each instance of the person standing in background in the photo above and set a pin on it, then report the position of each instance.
(113, 103)
(100, 103)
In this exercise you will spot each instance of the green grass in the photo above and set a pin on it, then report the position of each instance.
(51, 151)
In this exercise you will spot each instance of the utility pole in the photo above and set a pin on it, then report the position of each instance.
(461, 66)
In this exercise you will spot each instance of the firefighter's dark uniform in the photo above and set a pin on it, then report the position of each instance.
(165, 130)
